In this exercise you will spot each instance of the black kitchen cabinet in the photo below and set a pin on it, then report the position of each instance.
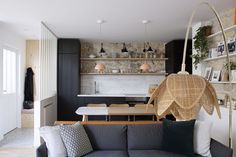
(69, 46)
(68, 75)
(174, 53)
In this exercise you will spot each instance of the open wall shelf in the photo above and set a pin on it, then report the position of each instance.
(222, 82)
(231, 28)
(123, 59)
(154, 74)
(219, 57)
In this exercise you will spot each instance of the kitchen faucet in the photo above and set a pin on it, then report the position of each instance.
(95, 88)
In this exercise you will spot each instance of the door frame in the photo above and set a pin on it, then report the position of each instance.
(18, 93)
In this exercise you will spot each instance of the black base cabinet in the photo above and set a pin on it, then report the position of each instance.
(174, 53)
(68, 74)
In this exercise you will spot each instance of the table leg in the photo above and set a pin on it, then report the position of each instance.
(85, 118)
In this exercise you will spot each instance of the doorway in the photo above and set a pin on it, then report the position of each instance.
(8, 92)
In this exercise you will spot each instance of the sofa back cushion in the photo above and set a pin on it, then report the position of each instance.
(144, 137)
(107, 137)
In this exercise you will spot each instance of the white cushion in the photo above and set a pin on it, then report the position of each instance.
(202, 138)
(51, 135)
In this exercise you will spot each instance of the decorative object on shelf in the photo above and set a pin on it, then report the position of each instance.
(232, 45)
(92, 56)
(233, 75)
(224, 75)
(115, 71)
(145, 67)
(213, 53)
(215, 76)
(230, 67)
(124, 49)
(208, 72)
(124, 55)
(183, 94)
(100, 68)
(201, 44)
(220, 48)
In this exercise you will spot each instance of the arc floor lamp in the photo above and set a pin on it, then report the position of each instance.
(183, 94)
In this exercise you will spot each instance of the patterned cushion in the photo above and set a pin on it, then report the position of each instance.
(76, 140)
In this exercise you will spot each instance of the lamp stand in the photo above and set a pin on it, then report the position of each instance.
(230, 87)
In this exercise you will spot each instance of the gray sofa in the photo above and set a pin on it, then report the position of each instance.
(142, 140)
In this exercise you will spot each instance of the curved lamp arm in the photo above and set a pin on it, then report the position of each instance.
(227, 58)
(187, 34)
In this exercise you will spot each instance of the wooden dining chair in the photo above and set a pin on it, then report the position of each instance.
(119, 105)
(119, 117)
(144, 106)
(98, 105)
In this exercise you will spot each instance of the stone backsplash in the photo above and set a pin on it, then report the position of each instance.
(119, 84)
(113, 50)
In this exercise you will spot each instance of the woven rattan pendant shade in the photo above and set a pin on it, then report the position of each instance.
(183, 95)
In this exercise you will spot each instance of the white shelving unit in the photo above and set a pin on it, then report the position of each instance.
(219, 57)
(222, 82)
(231, 28)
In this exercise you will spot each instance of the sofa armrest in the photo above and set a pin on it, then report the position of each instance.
(218, 150)
(42, 151)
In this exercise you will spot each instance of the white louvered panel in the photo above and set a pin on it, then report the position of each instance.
(48, 63)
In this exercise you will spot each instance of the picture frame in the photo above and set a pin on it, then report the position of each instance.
(207, 74)
(233, 75)
(215, 76)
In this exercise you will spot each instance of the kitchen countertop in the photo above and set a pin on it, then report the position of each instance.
(113, 95)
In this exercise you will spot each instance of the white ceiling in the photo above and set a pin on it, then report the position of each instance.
(77, 18)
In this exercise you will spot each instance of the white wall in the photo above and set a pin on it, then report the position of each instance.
(11, 39)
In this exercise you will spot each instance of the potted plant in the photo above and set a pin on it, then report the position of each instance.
(225, 75)
(201, 44)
